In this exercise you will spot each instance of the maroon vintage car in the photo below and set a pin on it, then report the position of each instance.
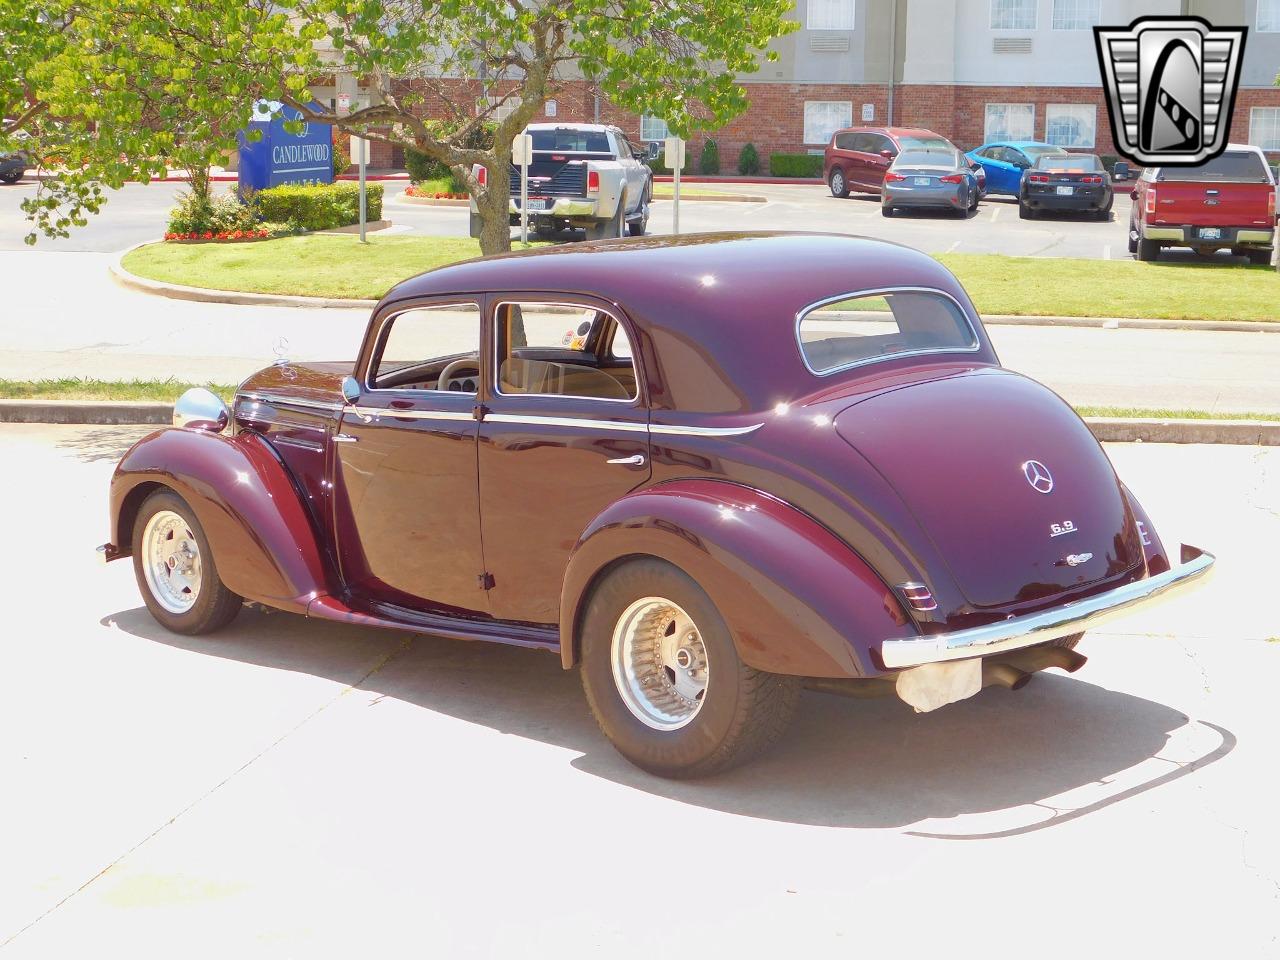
(711, 470)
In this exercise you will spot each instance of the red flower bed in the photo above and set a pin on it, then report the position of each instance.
(224, 236)
(413, 191)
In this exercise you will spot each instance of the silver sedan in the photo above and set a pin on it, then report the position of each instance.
(941, 179)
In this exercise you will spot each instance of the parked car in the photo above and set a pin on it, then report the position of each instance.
(796, 460)
(1004, 162)
(14, 163)
(586, 175)
(936, 179)
(1072, 182)
(1228, 202)
(857, 159)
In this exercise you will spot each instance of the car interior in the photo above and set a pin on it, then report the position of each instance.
(861, 329)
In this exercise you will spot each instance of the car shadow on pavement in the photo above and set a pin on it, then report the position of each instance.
(95, 443)
(843, 763)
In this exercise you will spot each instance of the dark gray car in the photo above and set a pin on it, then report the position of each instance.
(941, 179)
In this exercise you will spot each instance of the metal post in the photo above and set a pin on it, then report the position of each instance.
(675, 206)
(893, 59)
(364, 151)
(524, 198)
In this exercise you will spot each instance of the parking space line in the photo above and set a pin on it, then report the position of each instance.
(995, 214)
(952, 248)
(1106, 251)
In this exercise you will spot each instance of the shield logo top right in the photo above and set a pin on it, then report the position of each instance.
(1171, 86)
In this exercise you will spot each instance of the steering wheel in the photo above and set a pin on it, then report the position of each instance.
(453, 366)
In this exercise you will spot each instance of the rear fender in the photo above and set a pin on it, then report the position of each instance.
(258, 529)
(1152, 548)
(797, 599)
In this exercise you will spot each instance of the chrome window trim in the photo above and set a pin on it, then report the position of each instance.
(288, 401)
(366, 384)
(416, 414)
(497, 362)
(804, 312)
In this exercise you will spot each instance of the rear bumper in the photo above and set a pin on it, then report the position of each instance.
(898, 197)
(560, 207)
(1077, 201)
(1048, 624)
(1190, 235)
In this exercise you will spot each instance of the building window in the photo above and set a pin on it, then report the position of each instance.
(1070, 124)
(1076, 14)
(822, 118)
(1013, 14)
(1269, 16)
(1010, 121)
(653, 128)
(830, 15)
(1264, 128)
(501, 107)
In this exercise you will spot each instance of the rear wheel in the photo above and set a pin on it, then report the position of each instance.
(1025, 212)
(838, 184)
(1148, 249)
(664, 680)
(886, 210)
(11, 177)
(175, 568)
(638, 226)
(1133, 237)
(613, 227)
(1259, 258)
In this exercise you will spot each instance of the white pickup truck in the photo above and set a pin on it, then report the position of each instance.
(585, 175)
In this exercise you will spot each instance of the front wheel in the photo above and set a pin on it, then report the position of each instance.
(175, 568)
(664, 680)
(838, 184)
(12, 177)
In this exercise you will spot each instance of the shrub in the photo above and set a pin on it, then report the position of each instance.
(749, 161)
(795, 164)
(422, 167)
(709, 162)
(199, 213)
(658, 163)
(318, 206)
(341, 152)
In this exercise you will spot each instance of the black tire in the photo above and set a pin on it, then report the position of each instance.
(637, 227)
(838, 184)
(1133, 240)
(12, 177)
(1104, 214)
(611, 228)
(1259, 258)
(1025, 212)
(1148, 250)
(215, 605)
(741, 712)
(886, 210)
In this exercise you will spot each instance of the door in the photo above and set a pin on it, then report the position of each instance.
(637, 174)
(1002, 176)
(877, 162)
(406, 509)
(565, 433)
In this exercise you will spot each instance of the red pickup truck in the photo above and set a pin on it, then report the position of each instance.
(1228, 202)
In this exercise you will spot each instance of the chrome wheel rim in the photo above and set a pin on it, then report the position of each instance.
(659, 663)
(837, 182)
(171, 561)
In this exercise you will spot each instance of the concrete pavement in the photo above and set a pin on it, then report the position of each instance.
(300, 789)
(65, 317)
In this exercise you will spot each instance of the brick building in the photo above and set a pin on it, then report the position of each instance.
(973, 70)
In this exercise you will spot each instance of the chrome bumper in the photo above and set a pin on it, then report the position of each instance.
(1049, 624)
(560, 207)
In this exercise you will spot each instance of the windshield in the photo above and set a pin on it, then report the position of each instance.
(927, 158)
(571, 141)
(1240, 166)
(1075, 161)
(862, 329)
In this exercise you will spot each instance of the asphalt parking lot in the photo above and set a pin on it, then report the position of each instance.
(298, 789)
(137, 214)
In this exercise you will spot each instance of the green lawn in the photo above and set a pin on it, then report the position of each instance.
(339, 266)
(1030, 286)
(166, 391)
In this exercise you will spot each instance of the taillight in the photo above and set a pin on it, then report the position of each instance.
(593, 181)
(918, 596)
(481, 173)
(1151, 200)
(1038, 178)
(892, 177)
(1090, 179)
(953, 178)
(1271, 205)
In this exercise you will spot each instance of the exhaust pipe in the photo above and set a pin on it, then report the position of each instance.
(1041, 658)
(1004, 675)
(868, 689)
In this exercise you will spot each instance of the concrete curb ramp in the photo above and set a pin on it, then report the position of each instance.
(1113, 429)
(207, 295)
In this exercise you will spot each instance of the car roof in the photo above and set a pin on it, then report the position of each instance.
(894, 131)
(714, 313)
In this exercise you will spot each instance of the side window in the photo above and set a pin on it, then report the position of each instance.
(419, 345)
(860, 329)
(846, 141)
(878, 142)
(553, 349)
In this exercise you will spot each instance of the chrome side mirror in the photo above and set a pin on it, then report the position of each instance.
(350, 389)
(201, 409)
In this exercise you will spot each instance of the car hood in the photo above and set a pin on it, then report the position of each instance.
(955, 450)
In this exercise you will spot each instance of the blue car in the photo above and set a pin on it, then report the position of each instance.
(1005, 160)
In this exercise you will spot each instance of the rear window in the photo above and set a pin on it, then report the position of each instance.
(861, 329)
(927, 158)
(571, 141)
(1035, 152)
(925, 143)
(1238, 166)
(1075, 161)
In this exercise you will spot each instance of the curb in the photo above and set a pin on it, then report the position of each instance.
(1131, 323)
(718, 198)
(175, 291)
(428, 201)
(777, 181)
(1106, 429)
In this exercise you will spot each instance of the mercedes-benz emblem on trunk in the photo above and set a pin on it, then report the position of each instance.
(1171, 84)
(1038, 476)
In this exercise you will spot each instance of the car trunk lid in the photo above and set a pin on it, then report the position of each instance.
(1010, 485)
(556, 173)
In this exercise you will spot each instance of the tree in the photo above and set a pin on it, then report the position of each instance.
(138, 71)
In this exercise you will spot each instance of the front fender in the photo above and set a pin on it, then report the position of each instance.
(258, 529)
(796, 599)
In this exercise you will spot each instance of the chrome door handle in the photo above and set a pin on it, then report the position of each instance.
(635, 461)
(345, 438)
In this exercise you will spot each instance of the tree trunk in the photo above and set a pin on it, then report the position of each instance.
(493, 208)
